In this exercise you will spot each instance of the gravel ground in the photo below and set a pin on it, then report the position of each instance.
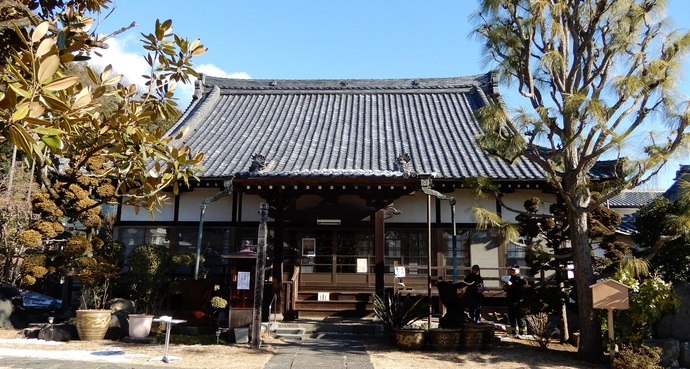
(513, 354)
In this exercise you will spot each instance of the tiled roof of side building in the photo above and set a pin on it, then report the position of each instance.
(633, 199)
(344, 128)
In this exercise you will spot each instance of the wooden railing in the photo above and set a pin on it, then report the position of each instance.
(417, 283)
(290, 293)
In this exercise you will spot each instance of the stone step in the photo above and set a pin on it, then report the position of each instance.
(290, 333)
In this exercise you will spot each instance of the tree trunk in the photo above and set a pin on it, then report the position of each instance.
(590, 332)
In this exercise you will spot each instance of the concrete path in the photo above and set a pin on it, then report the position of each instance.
(43, 363)
(324, 352)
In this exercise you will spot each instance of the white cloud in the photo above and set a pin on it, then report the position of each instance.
(133, 66)
(130, 64)
(185, 91)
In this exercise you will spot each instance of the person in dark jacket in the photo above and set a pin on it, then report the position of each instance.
(513, 287)
(475, 306)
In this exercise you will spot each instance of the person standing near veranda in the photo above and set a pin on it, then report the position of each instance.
(476, 298)
(514, 297)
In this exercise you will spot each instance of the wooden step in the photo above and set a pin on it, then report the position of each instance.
(335, 296)
(333, 305)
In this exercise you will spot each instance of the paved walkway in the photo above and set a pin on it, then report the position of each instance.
(43, 363)
(324, 352)
(329, 351)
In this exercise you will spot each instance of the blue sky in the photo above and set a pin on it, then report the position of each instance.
(324, 39)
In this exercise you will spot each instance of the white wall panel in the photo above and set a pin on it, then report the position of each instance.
(463, 206)
(220, 210)
(413, 209)
(250, 208)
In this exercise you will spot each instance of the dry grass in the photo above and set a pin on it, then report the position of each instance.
(513, 354)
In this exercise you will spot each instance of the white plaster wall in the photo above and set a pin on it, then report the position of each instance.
(463, 206)
(166, 213)
(413, 208)
(516, 200)
(486, 255)
(189, 211)
(250, 208)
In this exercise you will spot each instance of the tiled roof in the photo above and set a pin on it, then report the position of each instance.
(627, 226)
(344, 128)
(674, 192)
(633, 199)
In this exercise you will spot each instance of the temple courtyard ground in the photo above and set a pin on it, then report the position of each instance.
(513, 354)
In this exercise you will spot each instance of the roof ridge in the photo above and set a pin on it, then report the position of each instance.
(340, 85)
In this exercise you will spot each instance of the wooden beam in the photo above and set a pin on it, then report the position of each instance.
(379, 251)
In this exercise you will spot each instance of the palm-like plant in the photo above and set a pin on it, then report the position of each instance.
(397, 311)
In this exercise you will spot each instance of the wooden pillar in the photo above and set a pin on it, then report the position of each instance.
(278, 257)
(379, 251)
(259, 276)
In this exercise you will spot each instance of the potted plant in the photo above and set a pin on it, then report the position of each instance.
(398, 312)
(218, 305)
(148, 279)
(94, 272)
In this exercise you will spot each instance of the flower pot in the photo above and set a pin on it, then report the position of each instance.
(478, 336)
(139, 325)
(92, 324)
(409, 339)
(443, 339)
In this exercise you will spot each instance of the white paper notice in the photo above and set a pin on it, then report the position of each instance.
(243, 280)
(361, 265)
(400, 272)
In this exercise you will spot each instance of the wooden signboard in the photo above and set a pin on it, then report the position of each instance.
(610, 294)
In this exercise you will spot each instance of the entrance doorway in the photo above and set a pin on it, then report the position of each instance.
(336, 257)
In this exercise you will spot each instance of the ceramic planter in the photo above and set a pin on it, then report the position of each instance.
(478, 336)
(139, 325)
(444, 339)
(92, 324)
(410, 339)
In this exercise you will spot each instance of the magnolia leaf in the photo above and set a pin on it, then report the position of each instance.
(36, 110)
(124, 167)
(83, 99)
(92, 75)
(61, 83)
(48, 67)
(21, 112)
(21, 138)
(19, 91)
(53, 141)
(18, 32)
(153, 173)
(39, 32)
(181, 133)
(113, 80)
(45, 47)
(55, 103)
(50, 131)
(37, 121)
(62, 37)
(106, 72)
(194, 44)
(199, 50)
